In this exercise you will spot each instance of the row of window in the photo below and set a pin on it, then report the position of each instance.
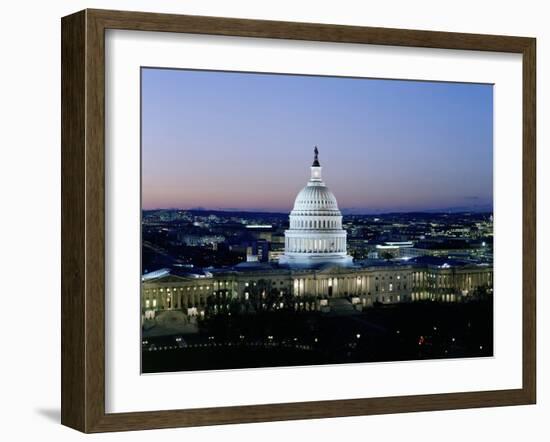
(390, 287)
(391, 277)
(443, 280)
(175, 289)
(153, 303)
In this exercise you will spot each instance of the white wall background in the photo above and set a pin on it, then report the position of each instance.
(30, 216)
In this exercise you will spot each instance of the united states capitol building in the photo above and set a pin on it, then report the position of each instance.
(316, 269)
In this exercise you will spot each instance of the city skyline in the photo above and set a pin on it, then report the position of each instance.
(246, 142)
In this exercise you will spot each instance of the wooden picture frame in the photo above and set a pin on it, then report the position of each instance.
(83, 220)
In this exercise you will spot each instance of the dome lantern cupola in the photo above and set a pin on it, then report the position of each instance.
(316, 167)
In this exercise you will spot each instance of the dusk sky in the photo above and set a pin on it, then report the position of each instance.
(244, 141)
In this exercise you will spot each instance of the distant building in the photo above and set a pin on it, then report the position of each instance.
(393, 249)
(453, 249)
(260, 231)
(200, 240)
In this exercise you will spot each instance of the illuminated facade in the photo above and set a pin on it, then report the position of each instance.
(312, 289)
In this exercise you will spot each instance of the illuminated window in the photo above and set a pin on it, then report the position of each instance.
(154, 302)
(391, 286)
(147, 303)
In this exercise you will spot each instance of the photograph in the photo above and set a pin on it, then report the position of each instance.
(275, 220)
(301, 220)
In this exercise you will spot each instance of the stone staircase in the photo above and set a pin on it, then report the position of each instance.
(341, 306)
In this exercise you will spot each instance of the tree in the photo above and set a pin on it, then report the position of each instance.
(481, 293)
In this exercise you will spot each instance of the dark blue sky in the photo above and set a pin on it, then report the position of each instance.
(244, 141)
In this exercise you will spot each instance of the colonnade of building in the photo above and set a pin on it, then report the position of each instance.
(318, 222)
(333, 243)
(365, 286)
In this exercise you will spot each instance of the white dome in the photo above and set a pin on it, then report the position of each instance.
(315, 235)
(315, 197)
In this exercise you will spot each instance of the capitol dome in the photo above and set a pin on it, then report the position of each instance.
(315, 235)
(315, 198)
